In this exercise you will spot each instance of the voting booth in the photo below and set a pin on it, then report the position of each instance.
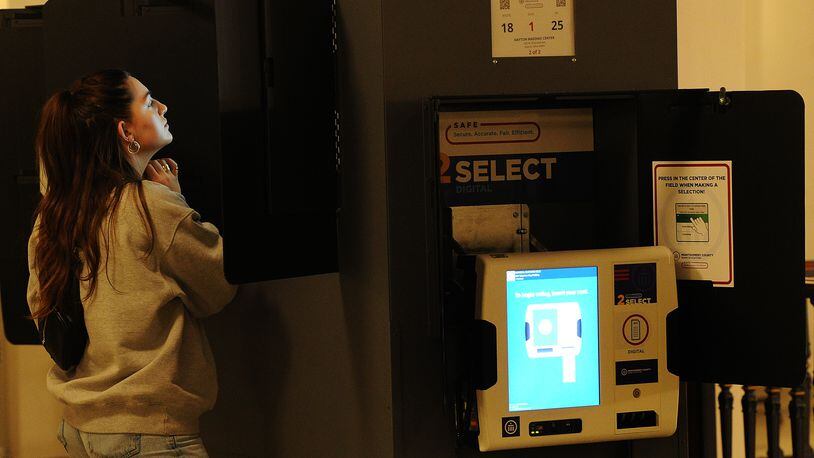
(234, 119)
(563, 346)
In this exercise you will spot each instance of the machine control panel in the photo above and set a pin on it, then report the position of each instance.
(547, 428)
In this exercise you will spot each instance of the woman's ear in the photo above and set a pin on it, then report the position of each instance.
(124, 134)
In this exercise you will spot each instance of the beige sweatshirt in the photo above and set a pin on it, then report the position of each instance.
(148, 367)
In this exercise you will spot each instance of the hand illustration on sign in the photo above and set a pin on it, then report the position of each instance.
(701, 227)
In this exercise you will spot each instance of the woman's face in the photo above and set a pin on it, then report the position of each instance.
(148, 124)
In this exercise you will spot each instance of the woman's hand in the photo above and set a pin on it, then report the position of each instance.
(164, 171)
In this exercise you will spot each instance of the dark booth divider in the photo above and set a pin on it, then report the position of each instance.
(22, 80)
(257, 96)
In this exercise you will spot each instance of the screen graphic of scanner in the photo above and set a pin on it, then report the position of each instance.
(555, 331)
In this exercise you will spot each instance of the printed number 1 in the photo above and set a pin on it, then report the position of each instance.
(531, 24)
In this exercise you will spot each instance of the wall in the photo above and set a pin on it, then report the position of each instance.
(780, 44)
(28, 413)
(753, 45)
(290, 384)
(6, 4)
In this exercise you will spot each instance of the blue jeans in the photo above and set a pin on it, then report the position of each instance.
(81, 444)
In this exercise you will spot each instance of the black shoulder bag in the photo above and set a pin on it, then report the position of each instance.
(63, 332)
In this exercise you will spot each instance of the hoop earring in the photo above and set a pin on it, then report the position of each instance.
(130, 147)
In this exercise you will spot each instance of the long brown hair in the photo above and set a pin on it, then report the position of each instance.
(84, 164)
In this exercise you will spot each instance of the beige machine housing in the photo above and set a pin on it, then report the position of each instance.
(615, 416)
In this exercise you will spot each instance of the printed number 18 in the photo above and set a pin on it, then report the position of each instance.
(508, 27)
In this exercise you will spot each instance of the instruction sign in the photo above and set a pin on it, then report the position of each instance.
(634, 284)
(532, 28)
(692, 215)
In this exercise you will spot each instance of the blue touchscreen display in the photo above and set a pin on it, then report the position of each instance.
(553, 338)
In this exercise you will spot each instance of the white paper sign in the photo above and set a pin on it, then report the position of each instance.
(692, 215)
(532, 28)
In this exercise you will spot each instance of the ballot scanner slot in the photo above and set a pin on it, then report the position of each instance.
(642, 419)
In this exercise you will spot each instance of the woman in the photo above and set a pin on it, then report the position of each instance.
(150, 270)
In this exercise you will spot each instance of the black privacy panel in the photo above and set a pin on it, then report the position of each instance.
(755, 332)
(169, 45)
(278, 148)
(21, 76)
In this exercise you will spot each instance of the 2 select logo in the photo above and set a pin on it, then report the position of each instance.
(469, 170)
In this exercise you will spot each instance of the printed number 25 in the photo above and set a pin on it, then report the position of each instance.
(556, 25)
